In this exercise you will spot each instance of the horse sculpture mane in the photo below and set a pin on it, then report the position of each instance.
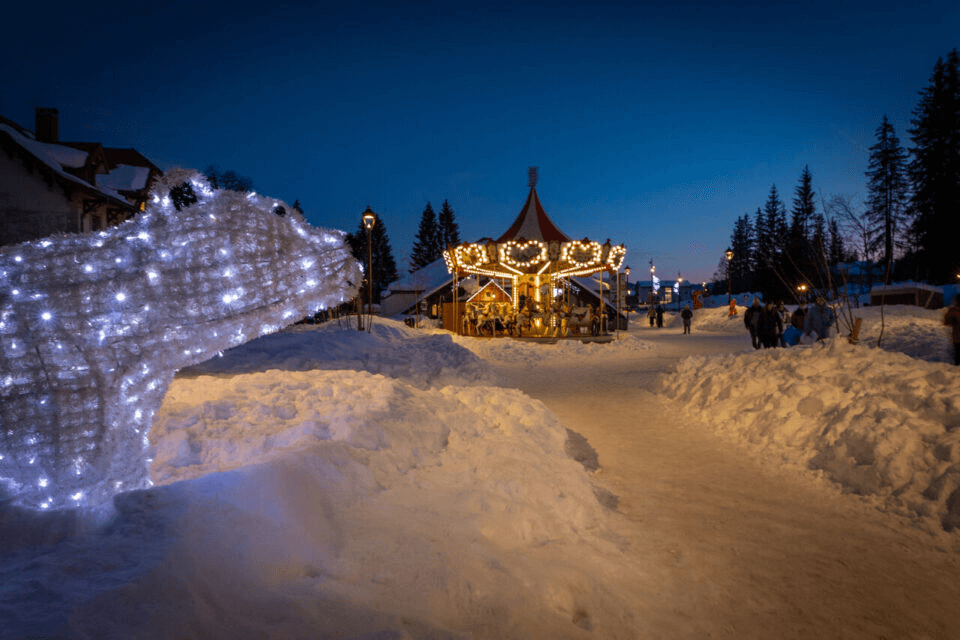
(94, 326)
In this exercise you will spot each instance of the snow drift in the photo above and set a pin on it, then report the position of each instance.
(879, 423)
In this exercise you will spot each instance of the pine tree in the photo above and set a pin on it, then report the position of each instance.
(803, 205)
(935, 171)
(426, 247)
(836, 252)
(449, 231)
(886, 193)
(742, 243)
(384, 266)
(801, 255)
(771, 238)
(297, 207)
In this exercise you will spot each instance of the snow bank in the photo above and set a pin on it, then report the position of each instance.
(389, 348)
(880, 424)
(517, 352)
(414, 502)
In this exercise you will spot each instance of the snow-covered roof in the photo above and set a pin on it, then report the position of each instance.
(905, 287)
(124, 178)
(423, 279)
(55, 156)
(58, 158)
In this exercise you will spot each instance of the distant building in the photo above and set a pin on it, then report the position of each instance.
(48, 186)
(913, 293)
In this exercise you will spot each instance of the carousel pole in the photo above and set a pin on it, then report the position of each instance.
(457, 324)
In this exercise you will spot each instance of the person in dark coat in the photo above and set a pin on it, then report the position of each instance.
(952, 319)
(799, 317)
(659, 316)
(771, 326)
(687, 316)
(751, 320)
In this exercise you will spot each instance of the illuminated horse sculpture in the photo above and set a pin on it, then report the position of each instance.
(94, 326)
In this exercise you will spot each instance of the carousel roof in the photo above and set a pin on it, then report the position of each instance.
(533, 246)
(533, 223)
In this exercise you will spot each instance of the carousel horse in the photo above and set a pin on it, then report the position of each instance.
(580, 318)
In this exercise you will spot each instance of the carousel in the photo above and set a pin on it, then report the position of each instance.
(527, 273)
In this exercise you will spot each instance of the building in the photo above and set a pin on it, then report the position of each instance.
(48, 186)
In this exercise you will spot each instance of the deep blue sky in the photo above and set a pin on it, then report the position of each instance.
(655, 127)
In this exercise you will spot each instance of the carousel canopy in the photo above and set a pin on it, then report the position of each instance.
(533, 246)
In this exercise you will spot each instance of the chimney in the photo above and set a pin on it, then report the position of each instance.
(47, 125)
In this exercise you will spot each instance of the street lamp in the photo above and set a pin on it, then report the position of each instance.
(369, 219)
(728, 254)
(627, 287)
(617, 329)
(803, 292)
(679, 284)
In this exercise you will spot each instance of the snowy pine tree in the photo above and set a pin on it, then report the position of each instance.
(449, 231)
(886, 206)
(935, 172)
(426, 247)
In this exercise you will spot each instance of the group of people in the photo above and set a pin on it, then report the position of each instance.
(655, 313)
(772, 325)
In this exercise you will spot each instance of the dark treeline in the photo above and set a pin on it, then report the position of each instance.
(904, 229)
(434, 235)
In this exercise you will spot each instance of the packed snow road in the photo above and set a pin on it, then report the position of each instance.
(723, 543)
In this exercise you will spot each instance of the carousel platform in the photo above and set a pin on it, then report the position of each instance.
(554, 340)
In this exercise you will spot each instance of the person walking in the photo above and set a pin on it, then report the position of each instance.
(751, 320)
(659, 316)
(770, 329)
(952, 318)
(784, 322)
(687, 315)
(652, 314)
(819, 319)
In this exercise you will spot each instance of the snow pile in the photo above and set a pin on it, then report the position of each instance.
(93, 327)
(907, 329)
(516, 352)
(389, 348)
(335, 503)
(717, 320)
(879, 424)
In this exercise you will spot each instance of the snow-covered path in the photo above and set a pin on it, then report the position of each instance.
(724, 545)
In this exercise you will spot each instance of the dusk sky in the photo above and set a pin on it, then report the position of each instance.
(655, 127)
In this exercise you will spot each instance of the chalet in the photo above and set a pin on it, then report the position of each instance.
(48, 186)
(911, 293)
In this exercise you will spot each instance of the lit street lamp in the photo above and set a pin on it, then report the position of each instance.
(369, 219)
(679, 284)
(728, 254)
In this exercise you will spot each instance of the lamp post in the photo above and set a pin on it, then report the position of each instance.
(679, 284)
(728, 254)
(369, 219)
(618, 305)
(653, 284)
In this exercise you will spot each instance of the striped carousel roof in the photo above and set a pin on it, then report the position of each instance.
(533, 223)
